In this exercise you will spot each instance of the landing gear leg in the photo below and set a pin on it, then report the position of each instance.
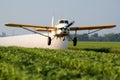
(49, 40)
(74, 41)
(63, 38)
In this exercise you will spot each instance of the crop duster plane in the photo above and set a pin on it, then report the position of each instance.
(61, 30)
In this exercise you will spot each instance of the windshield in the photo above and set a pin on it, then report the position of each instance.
(63, 21)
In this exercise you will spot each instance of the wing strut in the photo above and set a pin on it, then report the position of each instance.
(49, 38)
(94, 31)
(34, 31)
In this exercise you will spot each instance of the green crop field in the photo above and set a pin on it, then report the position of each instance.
(107, 47)
(86, 61)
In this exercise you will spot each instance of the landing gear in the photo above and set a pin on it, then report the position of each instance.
(49, 40)
(74, 41)
(63, 38)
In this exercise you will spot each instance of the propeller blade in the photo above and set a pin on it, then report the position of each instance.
(70, 24)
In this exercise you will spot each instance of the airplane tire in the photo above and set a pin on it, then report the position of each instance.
(75, 41)
(49, 40)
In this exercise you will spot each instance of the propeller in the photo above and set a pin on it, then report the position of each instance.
(68, 25)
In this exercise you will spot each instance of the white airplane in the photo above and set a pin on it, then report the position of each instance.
(60, 31)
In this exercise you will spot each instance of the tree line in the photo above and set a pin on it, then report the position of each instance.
(115, 37)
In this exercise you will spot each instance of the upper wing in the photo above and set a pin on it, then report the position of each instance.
(44, 28)
(92, 27)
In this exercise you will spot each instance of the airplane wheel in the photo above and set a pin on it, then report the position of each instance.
(75, 41)
(49, 40)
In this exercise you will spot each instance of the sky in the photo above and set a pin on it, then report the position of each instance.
(40, 12)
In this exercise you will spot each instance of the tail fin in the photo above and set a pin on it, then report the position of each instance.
(52, 21)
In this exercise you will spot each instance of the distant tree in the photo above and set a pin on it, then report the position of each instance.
(110, 37)
(117, 36)
(94, 37)
(3, 34)
(83, 37)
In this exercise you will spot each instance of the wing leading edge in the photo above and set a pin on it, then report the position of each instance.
(92, 27)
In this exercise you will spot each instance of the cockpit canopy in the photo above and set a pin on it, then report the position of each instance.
(63, 22)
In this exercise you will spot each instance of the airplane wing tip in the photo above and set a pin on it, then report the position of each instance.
(112, 25)
(8, 24)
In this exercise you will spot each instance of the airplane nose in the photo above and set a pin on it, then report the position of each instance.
(65, 32)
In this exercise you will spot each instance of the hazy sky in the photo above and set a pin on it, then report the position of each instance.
(39, 12)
